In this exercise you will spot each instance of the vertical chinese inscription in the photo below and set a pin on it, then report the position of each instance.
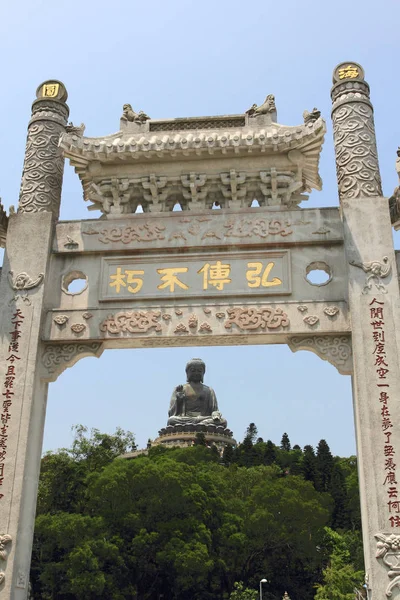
(8, 388)
(383, 396)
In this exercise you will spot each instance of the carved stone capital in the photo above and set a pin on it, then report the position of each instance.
(388, 550)
(5, 540)
(44, 162)
(335, 349)
(357, 164)
(58, 357)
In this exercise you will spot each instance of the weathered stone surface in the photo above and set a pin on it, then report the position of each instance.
(354, 134)
(44, 162)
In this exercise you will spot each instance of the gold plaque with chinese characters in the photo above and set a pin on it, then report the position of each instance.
(190, 276)
(348, 70)
(50, 90)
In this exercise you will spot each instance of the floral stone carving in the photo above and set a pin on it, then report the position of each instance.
(21, 283)
(388, 549)
(61, 320)
(78, 327)
(131, 321)
(335, 349)
(5, 539)
(251, 319)
(331, 311)
(311, 320)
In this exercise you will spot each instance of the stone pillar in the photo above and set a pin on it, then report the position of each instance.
(22, 291)
(44, 162)
(357, 165)
(374, 301)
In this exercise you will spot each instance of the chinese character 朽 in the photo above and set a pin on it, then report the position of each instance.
(216, 275)
(169, 278)
(120, 279)
(254, 272)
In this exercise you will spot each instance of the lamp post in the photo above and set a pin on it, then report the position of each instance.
(261, 583)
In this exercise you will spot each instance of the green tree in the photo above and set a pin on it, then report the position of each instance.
(252, 432)
(309, 464)
(285, 442)
(228, 455)
(270, 453)
(339, 577)
(242, 593)
(324, 465)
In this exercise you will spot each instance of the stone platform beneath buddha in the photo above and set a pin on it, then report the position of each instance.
(185, 435)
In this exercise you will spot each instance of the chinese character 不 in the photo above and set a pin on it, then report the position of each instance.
(347, 72)
(216, 275)
(254, 272)
(169, 278)
(120, 279)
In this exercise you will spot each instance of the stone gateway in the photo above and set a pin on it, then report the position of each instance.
(197, 276)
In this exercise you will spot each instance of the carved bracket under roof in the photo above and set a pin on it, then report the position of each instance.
(336, 349)
(58, 357)
(231, 161)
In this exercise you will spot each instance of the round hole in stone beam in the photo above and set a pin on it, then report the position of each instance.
(318, 273)
(74, 283)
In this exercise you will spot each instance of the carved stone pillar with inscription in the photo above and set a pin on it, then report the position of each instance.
(22, 293)
(44, 162)
(373, 296)
(357, 165)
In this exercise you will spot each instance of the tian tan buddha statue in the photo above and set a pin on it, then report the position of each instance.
(194, 403)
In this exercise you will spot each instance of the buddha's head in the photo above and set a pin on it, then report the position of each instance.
(195, 370)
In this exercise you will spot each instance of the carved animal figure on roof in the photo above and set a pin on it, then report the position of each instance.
(79, 131)
(310, 117)
(3, 225)
(130, 115)
(268, 106)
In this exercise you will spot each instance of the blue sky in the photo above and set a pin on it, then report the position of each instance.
(191, 58)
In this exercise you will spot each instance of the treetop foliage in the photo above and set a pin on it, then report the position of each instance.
(189, 524)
